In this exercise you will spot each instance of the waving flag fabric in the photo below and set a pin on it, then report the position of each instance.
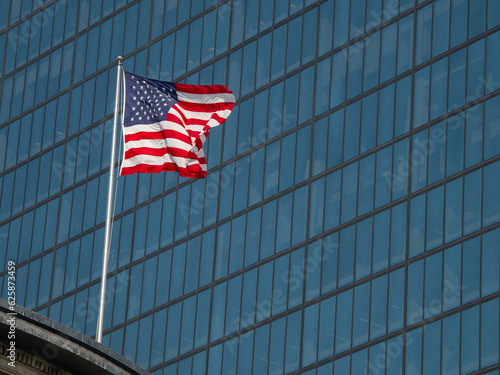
(165, 125)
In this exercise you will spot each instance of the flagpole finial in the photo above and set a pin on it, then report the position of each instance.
(120, 59)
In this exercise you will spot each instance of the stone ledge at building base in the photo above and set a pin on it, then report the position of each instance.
(43, 346)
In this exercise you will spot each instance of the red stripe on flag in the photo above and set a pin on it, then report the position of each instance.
(217, 118)
(177, 120)
(194, 89)
(137, 151)
(167, 167)
(200, 107)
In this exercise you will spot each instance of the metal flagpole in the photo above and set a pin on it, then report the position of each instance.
(107, 233)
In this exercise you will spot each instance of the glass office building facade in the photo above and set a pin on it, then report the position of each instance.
(350, 218)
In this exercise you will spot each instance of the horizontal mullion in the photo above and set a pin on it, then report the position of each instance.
(273, 257)
(264, 201)
(347, 352)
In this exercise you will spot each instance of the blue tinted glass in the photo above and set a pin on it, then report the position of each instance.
(349, 192)
(489, 333)
(414, 351)
(386, 115)
(477, 20)
(280, 286)
(381, 240)
(343, 322)
(355, 70)
(310, 339)
(363, 248)
(264, 292)
(441, 27)
(268, 232)
(459, 16)
(284, 224)
(433, 282)
(245, 353)
(369, 123)
(294, 45)
(491, 202)
(325, 27)
(309, 35)
(421, 99)
(261, 349)
(439, 87)
(346, 255)
(316, 213)
(326, 328)
(490, 263)
(202, 319)
(378, 313)
(434, 233)
(405, 44)
(366, 181)
(432, 344)
(455, 145)
(361, 314)
(296, 279)
(173, 325)
(398, 233)
(383, 178)
(233, 299)
(474, 136)
(341, 23)
(453, 214)
(339, 65)
(252, 237)
(415, 292)
(388, 52)
(352, 122)
(300, 215)
(6, 98)
(471, 272)
(371, 64)
(424, 34)
(436, 152)
(249, 297)
(470, 340)
(451, 343)
(452, 277)
(335, 139)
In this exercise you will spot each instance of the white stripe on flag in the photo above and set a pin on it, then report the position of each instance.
(205, 98)
(158, 143)
(157, 127)
(199, 115)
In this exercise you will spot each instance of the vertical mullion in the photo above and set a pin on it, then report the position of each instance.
(217, 217)
(408, 200)
(270, 324)
(442, 309)
(179, 341)
(52, 19)
(7, 29)
(148, 43)
(194, 328)
(388, 289)
(125, 326)
(137, 33)
(308, 210)
(286, 322)
(424, 320)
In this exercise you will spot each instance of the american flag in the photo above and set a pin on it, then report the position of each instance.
(165, 125)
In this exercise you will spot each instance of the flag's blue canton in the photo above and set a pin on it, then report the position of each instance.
(147, 100)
